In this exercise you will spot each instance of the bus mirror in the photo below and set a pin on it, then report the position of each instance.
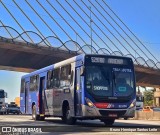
(82, 71)
(143, 99)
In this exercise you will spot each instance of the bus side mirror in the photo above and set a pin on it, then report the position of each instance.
(143, 99)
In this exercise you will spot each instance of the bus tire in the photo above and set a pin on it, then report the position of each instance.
(34, 113)
(108, 122)
(42, 118)
(67, 116)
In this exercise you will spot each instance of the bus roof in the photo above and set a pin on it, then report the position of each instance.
(64, 62)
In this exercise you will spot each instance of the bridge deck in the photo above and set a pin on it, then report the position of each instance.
(24, 57)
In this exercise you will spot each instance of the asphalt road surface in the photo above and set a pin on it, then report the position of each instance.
(86, 127)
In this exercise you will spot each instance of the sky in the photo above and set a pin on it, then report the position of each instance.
(141, 16)
(10, 82)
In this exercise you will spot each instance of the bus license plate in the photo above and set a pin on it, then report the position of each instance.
(112, 115)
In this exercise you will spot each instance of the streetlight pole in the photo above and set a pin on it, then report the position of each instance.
(91, 27)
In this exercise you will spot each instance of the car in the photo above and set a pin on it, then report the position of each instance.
(13, 108)
(3, 109)
(156, 109)
(139, 109)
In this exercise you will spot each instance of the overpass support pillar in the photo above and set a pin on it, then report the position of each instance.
(157, 97)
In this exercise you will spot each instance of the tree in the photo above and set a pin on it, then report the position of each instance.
(148, 97)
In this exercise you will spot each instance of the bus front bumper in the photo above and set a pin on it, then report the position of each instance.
(110, 113)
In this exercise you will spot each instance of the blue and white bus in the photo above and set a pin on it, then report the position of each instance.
(83, 87)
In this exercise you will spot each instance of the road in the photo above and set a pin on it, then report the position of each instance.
(83, 127)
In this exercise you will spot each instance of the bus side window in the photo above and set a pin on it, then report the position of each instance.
(34, 83)
(65, 77)
(56, 78)
(78, 77)
(71, 80)
(37, 82)
(49, 81)
(22, 86)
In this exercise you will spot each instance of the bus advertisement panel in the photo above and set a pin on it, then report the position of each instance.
(83, 87)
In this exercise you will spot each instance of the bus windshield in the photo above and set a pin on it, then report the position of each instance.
(105, 81)
(1, 94)
(98, 80)
(123, 82)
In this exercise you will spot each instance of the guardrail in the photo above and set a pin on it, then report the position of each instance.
(152, 115)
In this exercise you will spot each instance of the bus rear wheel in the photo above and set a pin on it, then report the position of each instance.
(108, 122)
(34, 113)
(67, 118)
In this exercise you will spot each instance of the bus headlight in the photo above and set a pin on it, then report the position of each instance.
(89, 102)
(133, 104)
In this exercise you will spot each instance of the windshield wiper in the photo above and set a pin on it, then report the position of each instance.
(114, 79)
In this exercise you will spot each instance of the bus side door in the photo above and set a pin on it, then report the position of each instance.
(26, 97)
(42, 101)
(78, 96)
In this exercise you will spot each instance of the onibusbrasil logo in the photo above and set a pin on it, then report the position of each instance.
(21, 129)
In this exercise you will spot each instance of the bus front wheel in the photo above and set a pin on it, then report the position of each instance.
(34, 113)
(67, 117)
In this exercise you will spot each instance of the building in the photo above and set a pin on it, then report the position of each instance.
(157, 97)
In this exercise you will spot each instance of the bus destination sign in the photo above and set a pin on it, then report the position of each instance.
(115, 61)
(107, 60)
(97, 60)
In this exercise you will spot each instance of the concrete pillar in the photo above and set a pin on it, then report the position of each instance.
(154, 102)
(157, 101)
(157, 97)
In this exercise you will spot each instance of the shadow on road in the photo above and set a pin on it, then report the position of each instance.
(57, 125)
(97, 123)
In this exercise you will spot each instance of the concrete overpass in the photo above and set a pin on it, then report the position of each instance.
(19, 56)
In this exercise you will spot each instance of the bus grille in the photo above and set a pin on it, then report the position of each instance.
(107, 112)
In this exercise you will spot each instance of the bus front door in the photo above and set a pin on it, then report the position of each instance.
(26, 97)
(78, 95)
(42, 96)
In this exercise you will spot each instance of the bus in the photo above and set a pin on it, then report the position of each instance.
(3, 104)
(83, 87)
